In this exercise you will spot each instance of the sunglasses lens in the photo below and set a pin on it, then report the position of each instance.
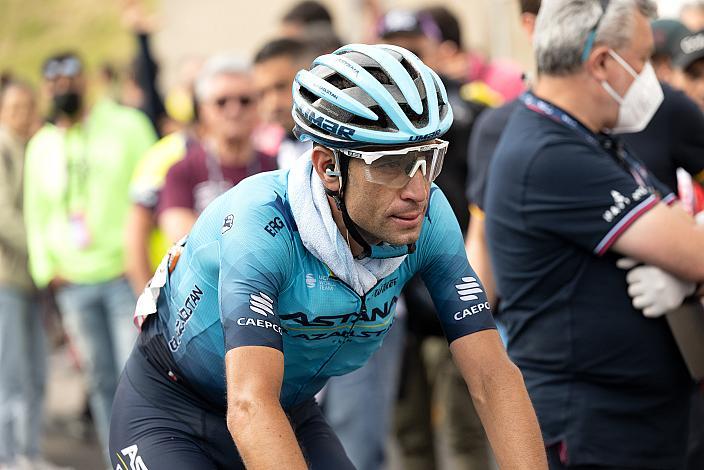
(396, 170)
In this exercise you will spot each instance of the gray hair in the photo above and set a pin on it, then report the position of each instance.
(563, 26)
(693, 4)
(216, 66)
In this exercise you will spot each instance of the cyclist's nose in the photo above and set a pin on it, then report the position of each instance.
(417, 188)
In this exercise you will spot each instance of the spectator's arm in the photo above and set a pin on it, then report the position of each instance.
(41, 265)
(138, 229)
(478, 253)
(142, 137)
(146, 68)
(146, 76)
(13, 234)
(176, 222)
(666, 237)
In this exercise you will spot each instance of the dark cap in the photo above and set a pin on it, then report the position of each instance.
(62, 65)
(407, 22)
(667, 35)
(691, 50)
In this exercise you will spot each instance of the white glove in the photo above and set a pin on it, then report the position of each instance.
(653, 290)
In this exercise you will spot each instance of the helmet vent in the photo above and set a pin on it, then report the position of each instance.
(339, 81)
(411, 71)
(383, 121)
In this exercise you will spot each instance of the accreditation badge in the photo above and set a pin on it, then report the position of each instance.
(80, 234)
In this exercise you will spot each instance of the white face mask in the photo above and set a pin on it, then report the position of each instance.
(641, 101)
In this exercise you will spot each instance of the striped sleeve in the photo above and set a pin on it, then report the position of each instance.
(585, 196)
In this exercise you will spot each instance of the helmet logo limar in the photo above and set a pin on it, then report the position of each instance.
(326, 124)
(432, 135)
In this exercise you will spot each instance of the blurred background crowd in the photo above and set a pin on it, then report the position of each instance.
(119, 123)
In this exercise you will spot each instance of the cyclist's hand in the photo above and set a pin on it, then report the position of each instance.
(655, 291)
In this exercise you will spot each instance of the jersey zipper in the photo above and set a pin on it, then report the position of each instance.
(362, 311)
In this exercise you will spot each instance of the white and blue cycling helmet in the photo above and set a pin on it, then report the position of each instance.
(364, 95)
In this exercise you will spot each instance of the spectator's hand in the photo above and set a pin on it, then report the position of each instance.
(653, 290)
(57, 283)
(135, 18)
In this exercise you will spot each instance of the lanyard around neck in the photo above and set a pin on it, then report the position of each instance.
(611, 146)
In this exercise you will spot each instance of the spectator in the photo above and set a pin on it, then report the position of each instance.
(77, 173)
(22, 341)
(688, 74)
(179, 101)
(674, 138)
(667, 34)
(491, 82)
(303, 17)
(275, 66)
(145, 244)
(692, 14)
(489, 129)
(143, 72)
(222, 154)
(564, 201)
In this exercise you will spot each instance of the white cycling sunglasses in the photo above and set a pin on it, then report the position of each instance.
(396, 167)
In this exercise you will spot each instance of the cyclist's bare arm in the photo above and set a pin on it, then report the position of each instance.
(501, 399)
(256, 421)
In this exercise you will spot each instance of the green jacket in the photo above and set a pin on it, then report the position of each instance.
(13, 237)
(76, 194)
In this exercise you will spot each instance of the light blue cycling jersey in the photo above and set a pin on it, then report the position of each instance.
(245, 278)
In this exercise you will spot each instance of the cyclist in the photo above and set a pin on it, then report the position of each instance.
(292, 277)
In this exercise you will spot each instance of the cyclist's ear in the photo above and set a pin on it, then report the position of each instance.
(324, 165)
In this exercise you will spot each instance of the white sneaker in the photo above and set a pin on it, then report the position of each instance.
(38, 463)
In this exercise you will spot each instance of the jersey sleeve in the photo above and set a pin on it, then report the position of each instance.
(457, 293)
(253, 271)
(584, 196)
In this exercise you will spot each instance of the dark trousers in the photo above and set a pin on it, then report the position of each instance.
(159, 424)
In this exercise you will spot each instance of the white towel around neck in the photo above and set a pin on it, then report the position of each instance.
(320, 234)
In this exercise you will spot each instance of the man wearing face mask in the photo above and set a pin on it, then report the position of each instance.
(565, 201)
(77, 173)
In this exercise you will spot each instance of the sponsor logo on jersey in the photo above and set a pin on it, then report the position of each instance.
(385, 286)
(473, 310)
(468, 289)
(370, 315)
(261, 303)
(274, 226)
(184, 315)
(258, 322)
(339, 334)
(130, 454)
(323, 282)
(621, 201)
(227, 224)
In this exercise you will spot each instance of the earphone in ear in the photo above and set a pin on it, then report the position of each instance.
(330, 171)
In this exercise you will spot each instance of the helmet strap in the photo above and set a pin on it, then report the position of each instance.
(343, 164)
